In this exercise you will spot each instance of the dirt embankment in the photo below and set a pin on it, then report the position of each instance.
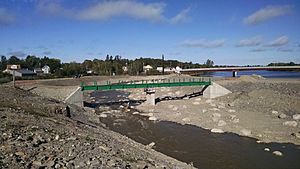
(35, 133)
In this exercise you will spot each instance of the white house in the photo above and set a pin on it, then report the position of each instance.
(177, 69)
(46, 69)
(147, 68)
(166, 69)
(125, 68)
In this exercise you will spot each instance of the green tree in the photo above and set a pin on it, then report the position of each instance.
(3, 63)
(32, 62)
(209, 63)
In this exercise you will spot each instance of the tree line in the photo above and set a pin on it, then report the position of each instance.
(108, 66)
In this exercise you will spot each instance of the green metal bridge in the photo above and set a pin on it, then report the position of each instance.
(148, 84)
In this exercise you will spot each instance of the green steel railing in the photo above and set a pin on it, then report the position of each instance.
(147, 84)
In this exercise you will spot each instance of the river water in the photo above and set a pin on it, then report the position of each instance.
(264, 73)
(192, 144)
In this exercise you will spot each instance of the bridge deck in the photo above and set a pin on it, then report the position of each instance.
(145, 84)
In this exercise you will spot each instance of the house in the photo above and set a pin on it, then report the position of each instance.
(178, 69)
(166, 69)
(23, 73)
(38, 71)
(125, 68)
(147, 68)
(43, 70)
(89, 72)
(46, 69)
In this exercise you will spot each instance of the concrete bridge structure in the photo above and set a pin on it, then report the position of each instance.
(234, 70)
(212, 89)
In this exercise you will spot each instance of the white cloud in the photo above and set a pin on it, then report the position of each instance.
(285, 50)
(105, 10)
(6, 17)
(53, 8)
(108, 9)
(17, 53)
(267, 13)
(258, 50)
(283, 40)
(47, 53)
(255, 41)
(202, 43)
(180, 17)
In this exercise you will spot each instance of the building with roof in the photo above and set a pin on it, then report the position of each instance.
(23, 73)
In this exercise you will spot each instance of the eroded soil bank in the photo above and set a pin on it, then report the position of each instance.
(35, 133)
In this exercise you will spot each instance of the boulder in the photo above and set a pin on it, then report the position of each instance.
(274, 112)
(135, 112)
(236, 120)
(246, 132)
(186, 119)
(230, 104)
(290, 123)
(282, 116)
(277, 153)
(103, 115)
(217, 130)
(297, 135)
(231, 111)
(267, 149)
(296, 116)
(152, 118)
(221, 123)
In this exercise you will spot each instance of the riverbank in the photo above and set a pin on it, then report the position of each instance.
(39, 132)
(265, 109)
(257, 107)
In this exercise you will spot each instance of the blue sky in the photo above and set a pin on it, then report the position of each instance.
(234, 32)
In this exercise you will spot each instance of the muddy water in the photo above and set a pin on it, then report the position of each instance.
(201, 147)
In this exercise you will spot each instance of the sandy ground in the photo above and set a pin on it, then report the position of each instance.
(265, 109)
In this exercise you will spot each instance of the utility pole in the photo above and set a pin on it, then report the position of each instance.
(14, 68)
(14, 82)
(163, 64)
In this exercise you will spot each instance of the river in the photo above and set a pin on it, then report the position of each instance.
(264, 73)
(192, 144)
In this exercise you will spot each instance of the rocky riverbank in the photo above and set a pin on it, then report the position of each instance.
(36, 133)
(265, 109)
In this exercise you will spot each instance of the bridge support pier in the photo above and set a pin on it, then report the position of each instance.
(76, 97)
(215, 90)
(234, 73)
(150, 97)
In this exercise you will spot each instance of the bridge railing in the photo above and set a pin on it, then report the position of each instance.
(148, 84)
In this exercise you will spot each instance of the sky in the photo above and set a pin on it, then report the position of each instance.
(231, 32)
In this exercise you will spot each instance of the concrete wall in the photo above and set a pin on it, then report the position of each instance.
(215, 90)
(75, 97)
